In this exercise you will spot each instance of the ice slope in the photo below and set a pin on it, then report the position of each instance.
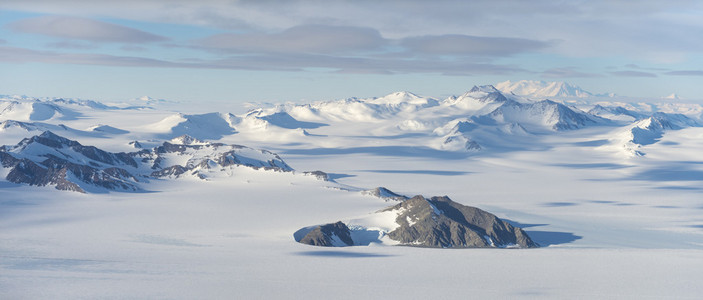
(211, 126)
(543, 114)
(632, 138)
(28, 111)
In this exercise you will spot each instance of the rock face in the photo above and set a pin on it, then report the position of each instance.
(318, 174)
(384, 194)
(329, 235)
(49, 159)
(437, 222)
(204, 157)
(442, 223)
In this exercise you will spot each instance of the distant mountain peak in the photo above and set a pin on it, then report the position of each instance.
(50, 139)
(673, 96)
(484, 88)
(186, 140)
(542, 89)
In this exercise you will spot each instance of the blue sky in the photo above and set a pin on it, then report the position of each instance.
(239, 51)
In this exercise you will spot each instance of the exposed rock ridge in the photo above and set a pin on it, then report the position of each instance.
(49, 159)
(437, 222)
(442, 223)
(329, 235)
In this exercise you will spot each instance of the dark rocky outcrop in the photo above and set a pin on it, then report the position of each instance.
(442, 223)
(437, 222)
(385, 194)
(329, 235)
(318, 174)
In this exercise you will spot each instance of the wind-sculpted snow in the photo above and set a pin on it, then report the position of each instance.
(204, 126)
(49, 159)
(261, 119)
(31, 111)
(650, 130)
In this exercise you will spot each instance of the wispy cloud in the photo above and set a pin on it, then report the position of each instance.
(277, 62)
(568, 73)
(324, 39)
(457, 44)
(71, 45)
(82, 29)
(686, 73)
(22, 55)
(300, 39)
(632, 74)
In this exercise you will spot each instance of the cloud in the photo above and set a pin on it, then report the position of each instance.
(325, 39)
(276, 62)
(685, 73)
(633, 74)
(22, 55)
(457, 44)
(650, 29)
(567, 73)
(71, 45)
(301, 39)
(82, 29)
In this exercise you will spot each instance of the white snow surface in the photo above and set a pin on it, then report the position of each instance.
(611, 224)
(541, 89)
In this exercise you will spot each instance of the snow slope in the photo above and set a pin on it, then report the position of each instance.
(541, 90)
(611, 225)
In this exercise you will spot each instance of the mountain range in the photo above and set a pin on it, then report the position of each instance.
(510, 115)
(49, 159)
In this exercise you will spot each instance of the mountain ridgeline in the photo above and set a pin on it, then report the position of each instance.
(509, 115)
(437, 222)
(49, 159)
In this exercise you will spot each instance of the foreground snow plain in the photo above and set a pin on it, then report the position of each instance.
(611, 225)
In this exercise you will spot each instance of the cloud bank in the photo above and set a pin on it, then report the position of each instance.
(83, 29)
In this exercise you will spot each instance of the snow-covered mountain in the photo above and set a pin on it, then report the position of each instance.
(485, 118)
(204, 126)
(650, 130)
(541, 89)
(49, 159)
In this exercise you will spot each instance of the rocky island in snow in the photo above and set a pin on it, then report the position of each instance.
(437, 222)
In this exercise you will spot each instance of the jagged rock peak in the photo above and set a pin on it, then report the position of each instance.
(484, 88)
(186, 140)
(384, 193)
(50, 139)
(440, 222)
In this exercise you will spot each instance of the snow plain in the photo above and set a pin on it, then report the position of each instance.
(611, 224)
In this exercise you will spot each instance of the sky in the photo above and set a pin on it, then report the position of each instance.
(297, 51)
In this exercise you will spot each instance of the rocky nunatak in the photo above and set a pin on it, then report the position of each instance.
(437, 222)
